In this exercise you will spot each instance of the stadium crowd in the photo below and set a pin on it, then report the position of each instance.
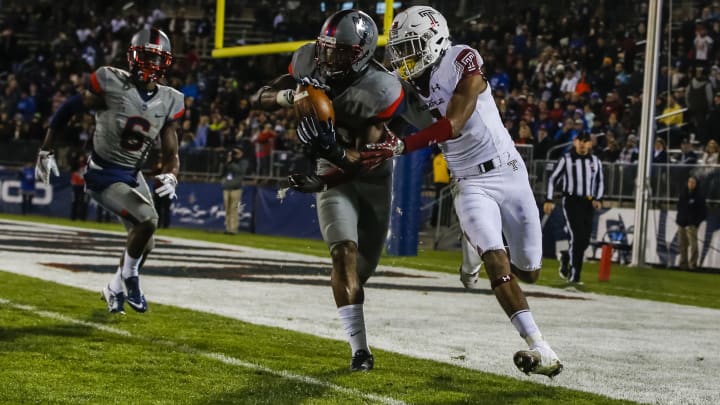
(555, 71)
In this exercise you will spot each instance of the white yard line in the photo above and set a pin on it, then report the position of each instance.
(223, 358)
(624, 348)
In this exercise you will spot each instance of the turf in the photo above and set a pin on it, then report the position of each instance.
(696, 289)
(164, 360)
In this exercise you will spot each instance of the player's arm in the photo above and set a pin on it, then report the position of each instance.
(278, 93)
(74, 104)
(171, 160)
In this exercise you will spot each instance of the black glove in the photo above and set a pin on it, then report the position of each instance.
(320, 135)
(307, 183)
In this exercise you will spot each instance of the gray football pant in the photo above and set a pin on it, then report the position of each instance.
(358, 211)
(132, 205)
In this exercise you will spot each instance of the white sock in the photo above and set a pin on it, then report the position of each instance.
(116, 284)
(130, 266)
(353, 321)
(525, 325)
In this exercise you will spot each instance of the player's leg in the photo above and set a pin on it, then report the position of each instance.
(471, 264)
(478, 207)
(338, 217)
(135, 208)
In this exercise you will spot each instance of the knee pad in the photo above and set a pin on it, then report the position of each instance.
(506, 278)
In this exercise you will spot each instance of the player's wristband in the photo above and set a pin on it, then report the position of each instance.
(438, 132)
(285, 98)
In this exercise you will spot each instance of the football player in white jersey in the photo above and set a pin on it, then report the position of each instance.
(131, 111)
(492, 191)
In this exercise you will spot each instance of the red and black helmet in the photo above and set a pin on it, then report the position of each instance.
(149, 55)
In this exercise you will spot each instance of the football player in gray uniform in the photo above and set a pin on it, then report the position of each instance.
(131, 111)
(354, 215)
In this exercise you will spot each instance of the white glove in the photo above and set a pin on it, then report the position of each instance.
(45, 165)
(169, 182)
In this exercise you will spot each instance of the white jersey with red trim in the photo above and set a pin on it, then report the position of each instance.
(130, 125)
(484, 136)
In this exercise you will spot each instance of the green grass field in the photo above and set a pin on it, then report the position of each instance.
(55, 348)
(54, 351)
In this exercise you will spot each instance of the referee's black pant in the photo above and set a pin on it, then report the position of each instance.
(579, 216)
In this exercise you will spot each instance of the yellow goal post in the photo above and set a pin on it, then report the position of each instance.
(220, 51)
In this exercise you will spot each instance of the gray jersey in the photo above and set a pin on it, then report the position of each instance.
(130, 125)
(376, 95)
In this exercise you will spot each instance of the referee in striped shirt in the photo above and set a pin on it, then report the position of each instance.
(580, 175)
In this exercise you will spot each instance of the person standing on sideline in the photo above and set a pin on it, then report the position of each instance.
(79, 206)
(132, 112)
(492, 190)
(162, 203)
(27, 187)
(580, 174)
(233, 172)
(441, 179)
(691, 211)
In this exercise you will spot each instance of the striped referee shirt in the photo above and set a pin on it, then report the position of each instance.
(580, 176)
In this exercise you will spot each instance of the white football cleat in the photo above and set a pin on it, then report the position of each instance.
(114, 300)
(470, 280)
(538, 360)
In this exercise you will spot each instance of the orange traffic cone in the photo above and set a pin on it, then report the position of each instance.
(605, 262)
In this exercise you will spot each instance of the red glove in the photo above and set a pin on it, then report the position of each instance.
(374, 154)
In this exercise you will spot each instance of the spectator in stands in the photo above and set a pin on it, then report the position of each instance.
(672, 121)
(544, 143)
(27, 187)
(629, 154)
(687, 155)
(611, 152)
(714, 118)
(699, 100)
(711, 156)
(659, 152)
(233, 172)
(202, 132)
(691, 212)
(703, 45)
(264, 146)
(525, 135)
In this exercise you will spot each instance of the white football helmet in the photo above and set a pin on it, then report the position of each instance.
(419, 36)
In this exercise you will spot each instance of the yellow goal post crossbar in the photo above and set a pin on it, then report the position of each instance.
(221, 51)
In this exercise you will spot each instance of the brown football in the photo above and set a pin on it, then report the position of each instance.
(313, 101)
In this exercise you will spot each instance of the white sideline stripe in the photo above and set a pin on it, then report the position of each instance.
(210, 355)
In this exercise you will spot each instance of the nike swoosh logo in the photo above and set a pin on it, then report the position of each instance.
(159, 116)
(355, 333)
(414, 25)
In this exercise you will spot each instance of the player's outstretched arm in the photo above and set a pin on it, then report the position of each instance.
(278, 93)
(460, 107)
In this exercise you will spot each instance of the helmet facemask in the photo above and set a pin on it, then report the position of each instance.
(334, 60)
(410, 56)
(148, 63)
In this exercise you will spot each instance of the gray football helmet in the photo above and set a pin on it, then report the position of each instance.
(149, 55)
(346, 44)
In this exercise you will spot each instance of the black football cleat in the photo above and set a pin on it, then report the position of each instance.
(362, 361)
